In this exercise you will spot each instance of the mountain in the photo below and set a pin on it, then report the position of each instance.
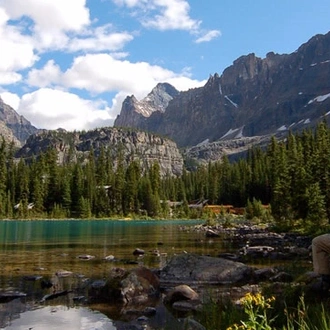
(133, 145)
(134, 112)
(252, 97)
(13, 127)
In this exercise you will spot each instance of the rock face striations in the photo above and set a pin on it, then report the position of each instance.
(13, 127)
(133, 145)
(252, 97)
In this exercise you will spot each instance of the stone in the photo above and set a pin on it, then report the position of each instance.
(7, 296)
(85, 257)
(181, 292)
(190, 268)
(63, 273)
(127, 287)
(138, 252)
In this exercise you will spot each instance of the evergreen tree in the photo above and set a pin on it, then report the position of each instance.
(316, 211)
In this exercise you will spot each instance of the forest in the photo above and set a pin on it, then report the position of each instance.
(291, 176)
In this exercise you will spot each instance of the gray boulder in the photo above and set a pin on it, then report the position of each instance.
(189, 269)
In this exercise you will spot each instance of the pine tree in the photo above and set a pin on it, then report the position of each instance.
(316, 211)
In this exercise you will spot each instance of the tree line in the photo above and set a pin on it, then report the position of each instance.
(292, 176)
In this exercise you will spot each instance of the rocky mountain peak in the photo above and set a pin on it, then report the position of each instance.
(134, 112)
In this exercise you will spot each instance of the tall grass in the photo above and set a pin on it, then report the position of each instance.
(256, 312)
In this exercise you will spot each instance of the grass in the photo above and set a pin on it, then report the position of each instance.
(261, 312)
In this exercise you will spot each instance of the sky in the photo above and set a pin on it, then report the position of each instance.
(71, 63)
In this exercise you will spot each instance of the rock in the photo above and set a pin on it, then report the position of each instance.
(149, 311)
(261, 250)
(138, 252)
(188, 306)
(135, 286)
(85, 257)
(190, 268)
(282, 277)
(54, 295)
(7, 296)
(211, 233)
(46, 284)
(98, 284)
(264, 274)
(191, 324)
(32, 278)
(63, 273)
(180, 292)
(109, 258)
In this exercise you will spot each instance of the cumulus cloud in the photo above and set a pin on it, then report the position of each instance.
(51, 109)
(100, 39)
(163, 14)
(50, 19)
(49, 75)
(10, 99)
(16, 51)
(63, 15)
(101, 72)
(174, 14)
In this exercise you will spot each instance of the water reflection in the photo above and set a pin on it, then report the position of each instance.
(60, 317)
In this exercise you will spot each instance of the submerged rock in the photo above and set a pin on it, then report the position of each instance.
(7, 296)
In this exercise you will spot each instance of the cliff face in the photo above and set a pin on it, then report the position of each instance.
(252, 97)
(134, 145)
(13, 127)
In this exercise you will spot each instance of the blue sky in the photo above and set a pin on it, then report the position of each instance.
(71, 63)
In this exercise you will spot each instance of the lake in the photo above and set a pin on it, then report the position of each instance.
(32, 251)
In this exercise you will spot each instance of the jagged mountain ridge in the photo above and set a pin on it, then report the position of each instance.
(13, 127)
(134, 112)
(134, 145)
(252, 97)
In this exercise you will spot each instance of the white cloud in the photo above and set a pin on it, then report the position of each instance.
(100, 39)
(163, 14)
(16, 51)
(51, 15)
(50, 74)
(51, 109)
(10, 99)
(101, 73)
(51, 19)
(208, 36)
(174, 14)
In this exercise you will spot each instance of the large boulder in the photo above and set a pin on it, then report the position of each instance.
(135, 286)
(194, 269)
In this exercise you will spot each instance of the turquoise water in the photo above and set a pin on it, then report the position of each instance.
(42, 248)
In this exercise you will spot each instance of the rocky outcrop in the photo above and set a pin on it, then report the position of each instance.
(133, 145)
(13, 127)
(253, 97)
